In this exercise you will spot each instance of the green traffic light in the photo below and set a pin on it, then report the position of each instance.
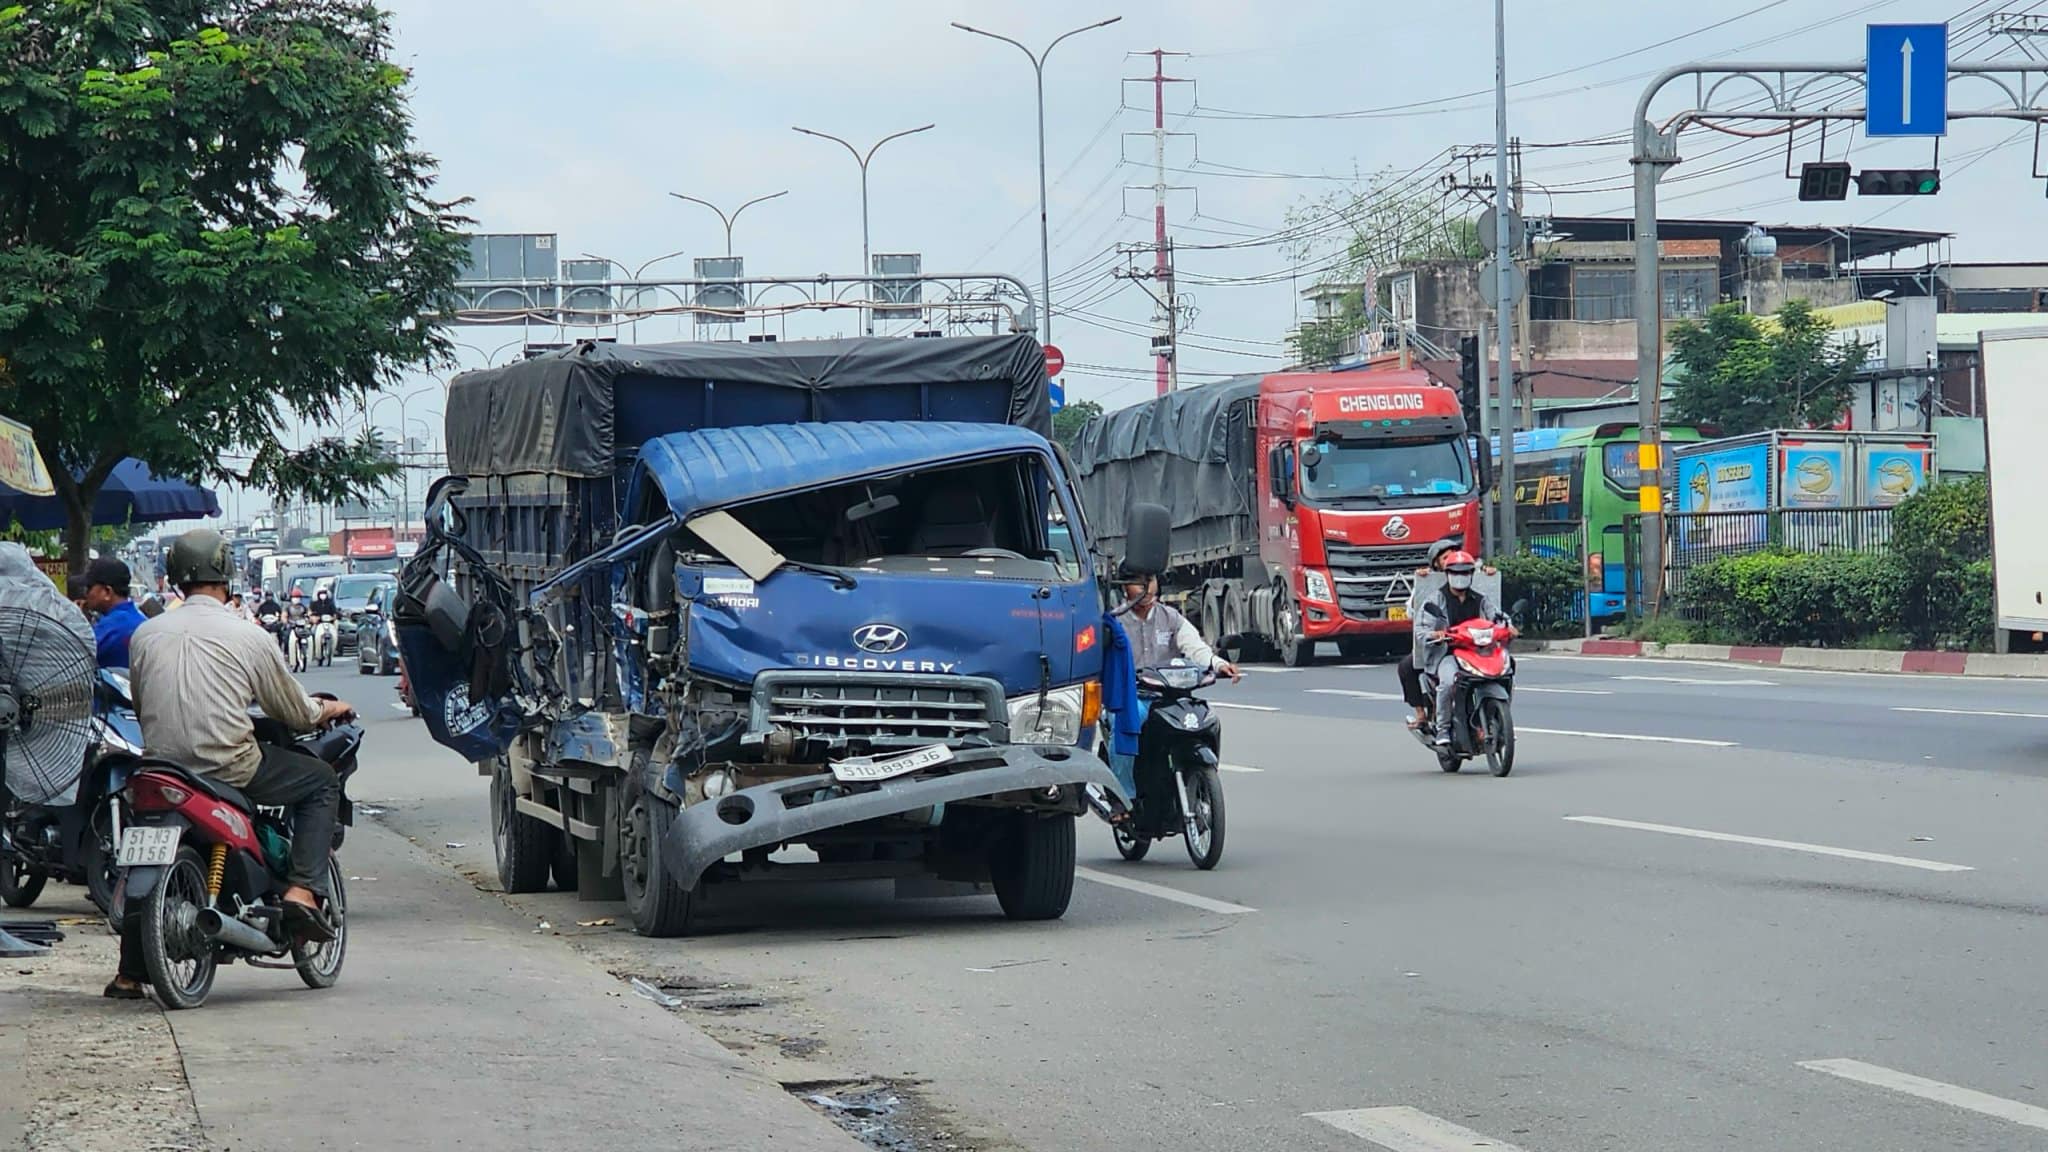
(1929, 185)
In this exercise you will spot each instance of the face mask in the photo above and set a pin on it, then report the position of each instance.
(1461, 581)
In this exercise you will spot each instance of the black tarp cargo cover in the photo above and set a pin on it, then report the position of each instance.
(1175, 451)
(579, 411)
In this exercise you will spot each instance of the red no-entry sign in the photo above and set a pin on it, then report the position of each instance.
(1055, 360)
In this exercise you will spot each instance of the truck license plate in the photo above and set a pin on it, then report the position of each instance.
(143, 847)
(1397, 612)
(865, 769)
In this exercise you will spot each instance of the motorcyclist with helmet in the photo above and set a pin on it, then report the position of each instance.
(194, 674)
(1157, 633)
(1457, 603)
(1406, 671)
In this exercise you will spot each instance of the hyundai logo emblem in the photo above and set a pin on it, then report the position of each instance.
(1396, 529)
(881, 639)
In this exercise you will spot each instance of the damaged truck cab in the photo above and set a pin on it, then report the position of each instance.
(841, 622)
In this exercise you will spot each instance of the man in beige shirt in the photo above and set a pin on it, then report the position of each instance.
(194, 674)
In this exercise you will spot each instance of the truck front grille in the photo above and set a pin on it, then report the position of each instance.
(859, 711)
(1368, 579)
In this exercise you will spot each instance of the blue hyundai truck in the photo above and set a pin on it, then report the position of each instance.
(714, 613)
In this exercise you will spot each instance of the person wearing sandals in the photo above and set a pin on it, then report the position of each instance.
(194, 673)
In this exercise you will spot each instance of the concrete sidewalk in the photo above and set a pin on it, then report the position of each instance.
(454, 1026)
(1819, 659)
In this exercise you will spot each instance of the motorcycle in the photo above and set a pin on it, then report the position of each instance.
(326, 638)
(74, 843)
(1482, 716)
(298, 644)
(202, 873)
(1180, 789)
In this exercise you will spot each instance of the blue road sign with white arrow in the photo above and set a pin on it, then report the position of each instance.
(1059, 394)
(1905, 77)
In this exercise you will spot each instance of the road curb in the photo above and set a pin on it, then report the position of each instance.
(1818, 659)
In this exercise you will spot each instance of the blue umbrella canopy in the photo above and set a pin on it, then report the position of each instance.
(131, 495)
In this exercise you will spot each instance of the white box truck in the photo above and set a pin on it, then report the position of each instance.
(2015, 367)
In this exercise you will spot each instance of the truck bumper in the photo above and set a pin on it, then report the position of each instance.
(768, 814)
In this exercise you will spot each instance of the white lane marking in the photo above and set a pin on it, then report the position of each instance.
(1627, 736)
(1975, 712)
(1354, 693)
(1776, 669)
(1764, 842)
(1566, 691)
(1702, 680)
(1238, 768)
(1404, 1129)
(2026, 1115)
(1243, 707)
(1161, 891)
(1265, 668)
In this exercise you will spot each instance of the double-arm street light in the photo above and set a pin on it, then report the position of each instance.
(728, 220)
(1044, 232)
(862, 159)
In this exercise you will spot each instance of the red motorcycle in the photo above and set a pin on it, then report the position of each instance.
(202, 873)
(1482, 717)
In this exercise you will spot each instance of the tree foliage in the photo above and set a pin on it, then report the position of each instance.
(1356, 232)
(212, 220)
(1068, 421)
(1747, 378)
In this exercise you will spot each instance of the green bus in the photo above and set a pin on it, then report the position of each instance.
(1573, 487)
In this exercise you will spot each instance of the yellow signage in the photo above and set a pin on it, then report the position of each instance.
(21, 466)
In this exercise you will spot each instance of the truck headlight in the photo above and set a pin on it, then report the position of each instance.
(1051, 718)
(1318, 586)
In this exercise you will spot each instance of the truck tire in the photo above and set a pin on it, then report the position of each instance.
(525, 846)
(660, 907)
(1031, 864)
(1296, 650)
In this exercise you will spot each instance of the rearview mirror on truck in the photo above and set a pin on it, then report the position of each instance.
(1150, 540)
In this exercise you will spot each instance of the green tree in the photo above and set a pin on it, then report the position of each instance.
(1068, 421)
(1356, 232)
(1747, 378)
(213, 220)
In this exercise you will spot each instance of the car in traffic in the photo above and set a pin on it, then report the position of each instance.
(376, 638)
(352, 595)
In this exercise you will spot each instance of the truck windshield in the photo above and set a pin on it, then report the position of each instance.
(1353, 469)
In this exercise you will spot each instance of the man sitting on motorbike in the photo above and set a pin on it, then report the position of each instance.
(270, 614)
(326, 616)
(1457, 603)
(1159, 632)
(194, 673)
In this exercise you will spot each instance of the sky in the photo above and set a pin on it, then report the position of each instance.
(579, 119)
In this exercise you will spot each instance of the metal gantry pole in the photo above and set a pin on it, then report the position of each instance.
(1503, 271)
(1044, 228)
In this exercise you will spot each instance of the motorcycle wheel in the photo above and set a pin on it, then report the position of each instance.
(100, 873)
(20, 883)
(1448, 760)
(1204, 825)
(1129, 844)
(1500, 736)
(319, 962)
(170, 935)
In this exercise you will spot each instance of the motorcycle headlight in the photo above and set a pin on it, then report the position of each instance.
(1053, 718)
(1318, 586)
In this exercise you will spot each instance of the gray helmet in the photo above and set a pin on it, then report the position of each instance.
(1437, 549)
(200, 556)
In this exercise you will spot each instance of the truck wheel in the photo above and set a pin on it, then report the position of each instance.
(1296, 650)
(1032, 866)
(525, 846)
(659, 906)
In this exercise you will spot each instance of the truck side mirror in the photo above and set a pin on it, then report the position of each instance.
(1149, 540)
(1280, 468)
(1483, 453)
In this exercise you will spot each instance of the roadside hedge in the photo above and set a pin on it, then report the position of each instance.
(1931, 589)
(1547, 585)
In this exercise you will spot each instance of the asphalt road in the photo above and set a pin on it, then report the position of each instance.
(1714, 907)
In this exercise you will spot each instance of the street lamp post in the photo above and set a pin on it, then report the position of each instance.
(404, 481)
(728, 220)
(635, 278)
(1044, 232)
(862, 160)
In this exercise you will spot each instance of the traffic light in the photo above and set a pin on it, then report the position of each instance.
(1898, 182)
(1468, 380)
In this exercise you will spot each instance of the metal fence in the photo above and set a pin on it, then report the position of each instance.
(1554, 612)
(1696, 538)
